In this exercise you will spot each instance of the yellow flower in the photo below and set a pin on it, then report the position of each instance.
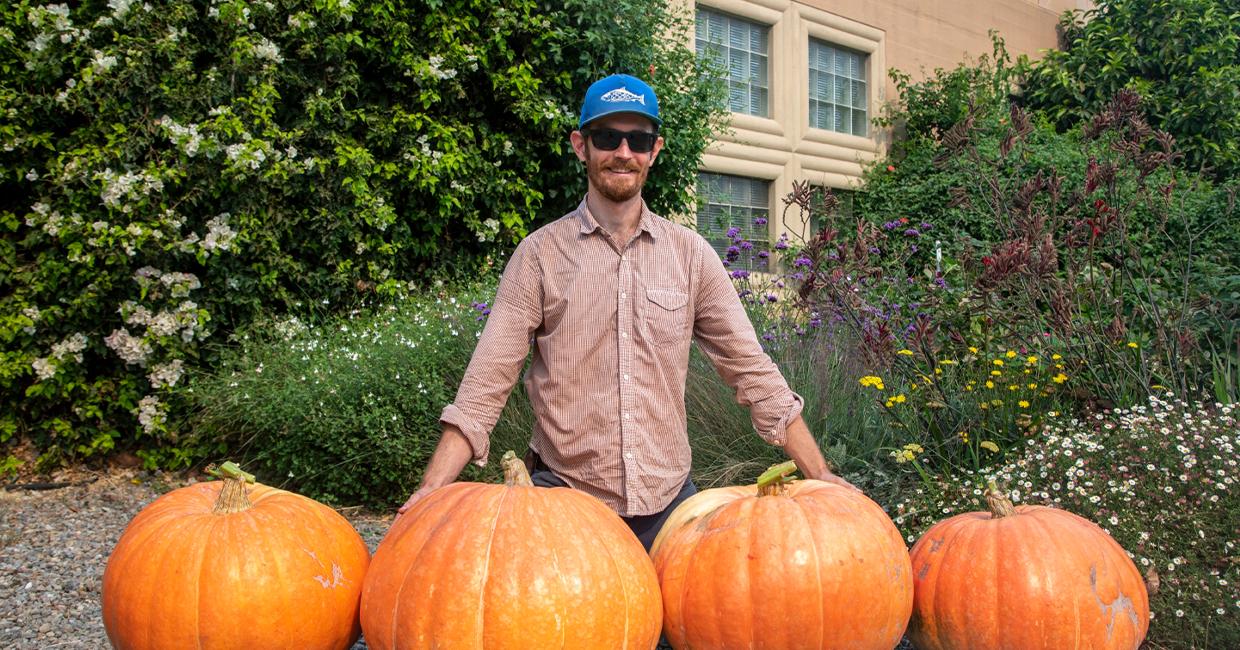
(1056, 357)
(906, 352)
(988, 445)
(1028, 371)
(1010, 354)
(996, 373)
(871, 380)
(1033, 386)
(990, 384)
(938, 371)
(964, 437)
(1133, 345)
(948, 362)
(1023, 404)
(914, 447)
(983, 405)
(972, 349)
(1060, 378)
(899, 398)
(996, 402)
(997, 362)
(1012, 386)
(1031, 360)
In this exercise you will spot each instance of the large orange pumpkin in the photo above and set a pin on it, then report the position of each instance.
(510, 567)
(782, 566)
(1024, 577)
(223, 565)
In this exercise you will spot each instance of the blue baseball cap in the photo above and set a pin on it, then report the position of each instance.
(619, 93)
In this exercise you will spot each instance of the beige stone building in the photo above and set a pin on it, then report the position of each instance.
(806, 77)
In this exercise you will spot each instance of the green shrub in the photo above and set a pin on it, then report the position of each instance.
(169, 172)
(1183, 56)
(348, 411)
(1161, 479)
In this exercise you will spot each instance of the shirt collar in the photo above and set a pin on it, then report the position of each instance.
(649, 221)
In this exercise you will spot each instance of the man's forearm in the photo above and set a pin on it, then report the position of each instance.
(451, 455)
(802, 448)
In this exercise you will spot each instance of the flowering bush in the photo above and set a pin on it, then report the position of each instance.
(1161, 478)
(307, 405)
(171, 171)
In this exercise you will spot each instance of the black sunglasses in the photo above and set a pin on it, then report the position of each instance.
(609, 139)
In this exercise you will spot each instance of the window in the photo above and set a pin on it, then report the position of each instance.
(739, 47)
(843, 214)
(837, 94)
(740, 203)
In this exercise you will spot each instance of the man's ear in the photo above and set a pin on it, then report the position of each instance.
(658, 146)
(579, 144)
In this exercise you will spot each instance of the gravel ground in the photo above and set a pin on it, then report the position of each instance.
(55, 543)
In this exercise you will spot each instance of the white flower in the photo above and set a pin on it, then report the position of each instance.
(133, 350)
(268, 51)
(165, 375)
(150, 413)
(43, 368)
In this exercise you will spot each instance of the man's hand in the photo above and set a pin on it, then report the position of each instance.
(450, 457)
(831, 477)
(413, 499)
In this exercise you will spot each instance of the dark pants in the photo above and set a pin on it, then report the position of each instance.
(646, 527)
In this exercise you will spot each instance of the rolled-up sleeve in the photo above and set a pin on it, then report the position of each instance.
(501, 351)
(725, 334)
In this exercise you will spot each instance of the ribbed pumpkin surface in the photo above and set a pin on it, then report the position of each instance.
(1035, 578)
(814, 566)
(285, 573)
(508, 567)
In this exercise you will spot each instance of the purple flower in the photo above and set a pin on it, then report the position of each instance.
(727, 263)
(781, 244)
(912, 232)
(925, 225)
(770, 297)
(486, 312)
(798, 276)
(803, 261)
(746, 245)
(768, 337)
(874, 250)
(733, 232)
(815, 322)
(891, 225)
(740, 274)
(760, 221)
(733, 250)
(764, 254)
(939, 281)
(913, 248)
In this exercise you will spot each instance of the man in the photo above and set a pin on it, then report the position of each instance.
(611, 295)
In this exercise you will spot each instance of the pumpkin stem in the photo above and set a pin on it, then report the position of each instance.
(514, 470)
(233, 496)
(774, 480)
(1000, 505)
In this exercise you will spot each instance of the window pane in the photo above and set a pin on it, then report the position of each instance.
(743, 55)
(735, 202)
(837, 89)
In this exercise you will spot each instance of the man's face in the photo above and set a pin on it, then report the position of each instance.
(618, 175)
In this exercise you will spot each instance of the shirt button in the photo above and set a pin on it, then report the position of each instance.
(624, 334)
(626, 377)
(623, 295)
(626, 416)
(628, 455)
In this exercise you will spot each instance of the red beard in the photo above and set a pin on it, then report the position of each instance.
(616, 188)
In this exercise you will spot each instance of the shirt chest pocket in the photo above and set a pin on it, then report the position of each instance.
(666, 315)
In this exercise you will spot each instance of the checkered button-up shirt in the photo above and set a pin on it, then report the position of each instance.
(611, 324)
